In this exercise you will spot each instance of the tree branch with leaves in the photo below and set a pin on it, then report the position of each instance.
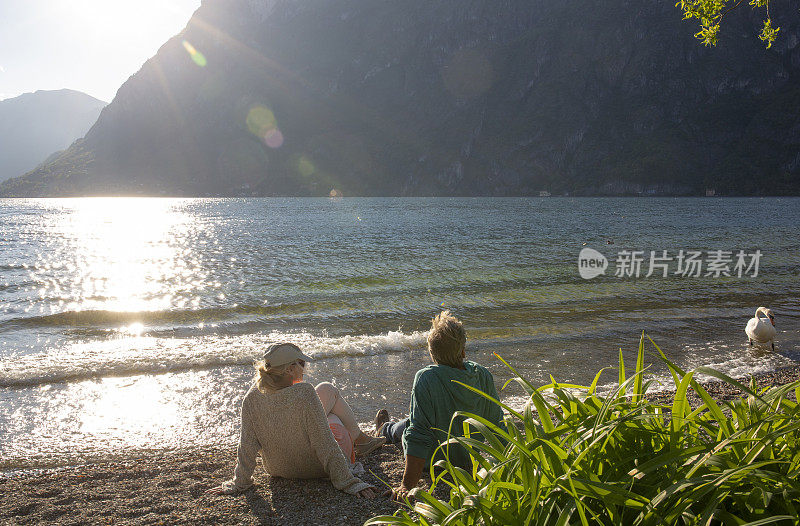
(710, 14)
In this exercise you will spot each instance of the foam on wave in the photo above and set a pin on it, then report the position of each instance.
(147, 355)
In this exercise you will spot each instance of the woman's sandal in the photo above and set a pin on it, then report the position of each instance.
(365, 448)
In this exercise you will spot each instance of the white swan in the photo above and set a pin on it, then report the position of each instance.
(761, 330)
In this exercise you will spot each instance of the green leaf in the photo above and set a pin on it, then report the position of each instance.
(679, 409)
(607, 492)
(727, 379)
(391, 519)
(677, 372)
(637, 386)
(593, 386)
(772, 520)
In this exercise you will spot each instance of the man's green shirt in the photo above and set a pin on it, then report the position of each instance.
(435, 397)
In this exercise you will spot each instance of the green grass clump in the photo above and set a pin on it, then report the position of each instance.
(576, 457)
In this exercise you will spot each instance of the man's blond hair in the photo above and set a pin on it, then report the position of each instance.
(447, 340)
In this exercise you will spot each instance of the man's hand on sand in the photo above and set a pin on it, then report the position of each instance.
(399, 494)
(368, 493)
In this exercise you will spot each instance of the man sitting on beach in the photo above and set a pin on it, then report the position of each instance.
(435, 397)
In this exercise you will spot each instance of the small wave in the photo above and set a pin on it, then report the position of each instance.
(147, 355)
(107, 318)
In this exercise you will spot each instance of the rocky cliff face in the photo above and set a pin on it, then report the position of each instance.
(34, 125)
(446, 97)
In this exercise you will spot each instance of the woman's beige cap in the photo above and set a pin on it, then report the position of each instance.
(282, 353)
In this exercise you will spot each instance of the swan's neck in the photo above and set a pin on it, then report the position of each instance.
(761, 310)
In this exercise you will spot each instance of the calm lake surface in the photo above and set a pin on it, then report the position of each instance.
(132, 324)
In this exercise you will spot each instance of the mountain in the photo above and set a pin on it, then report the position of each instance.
(34, 125)
(446, 97)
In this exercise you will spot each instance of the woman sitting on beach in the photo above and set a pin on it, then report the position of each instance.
(301, 432)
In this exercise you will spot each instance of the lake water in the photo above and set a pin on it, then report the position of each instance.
(132, 324)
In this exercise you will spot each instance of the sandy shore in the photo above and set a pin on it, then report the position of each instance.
(167, 488)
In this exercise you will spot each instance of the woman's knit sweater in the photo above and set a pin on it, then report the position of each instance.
(289, 429)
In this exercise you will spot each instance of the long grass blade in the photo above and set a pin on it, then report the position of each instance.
(637, 386)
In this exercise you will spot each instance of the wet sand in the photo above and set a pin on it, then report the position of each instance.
(168, 488)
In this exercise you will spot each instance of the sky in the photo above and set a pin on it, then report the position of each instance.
(86, 45)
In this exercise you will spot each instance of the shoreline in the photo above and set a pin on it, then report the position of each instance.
(168, 487)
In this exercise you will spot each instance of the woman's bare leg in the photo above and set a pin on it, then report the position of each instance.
(333, 403)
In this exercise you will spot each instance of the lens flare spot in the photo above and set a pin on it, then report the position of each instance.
(188, 47)
(273, 138)
(260, 120)
(305, 166)
(199, 59)
(196, 56)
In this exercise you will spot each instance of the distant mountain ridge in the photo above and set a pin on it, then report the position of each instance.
(446, 97)
(35, 125)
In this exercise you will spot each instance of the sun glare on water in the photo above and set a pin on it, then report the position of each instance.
(129, 255)
(112, 271)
